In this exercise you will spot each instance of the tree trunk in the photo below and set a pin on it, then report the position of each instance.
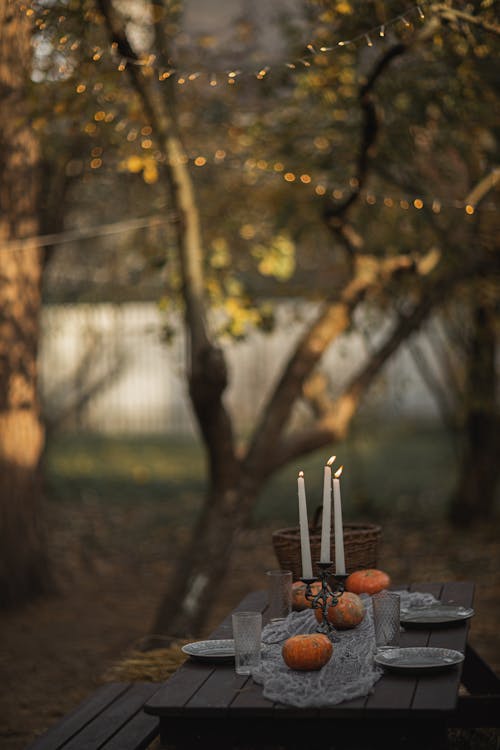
(198, 574)
(476, 493)
(23, 558)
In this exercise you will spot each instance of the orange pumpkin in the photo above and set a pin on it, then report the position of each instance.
(346, 614)
(369, 581)
(299, 601)
(305, 652)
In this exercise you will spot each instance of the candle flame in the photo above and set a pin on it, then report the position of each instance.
(338, 472)
(331, 460)
(301, 473)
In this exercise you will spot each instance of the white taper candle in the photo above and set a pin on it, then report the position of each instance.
(339, 529)
(305, 546)
(327, 512)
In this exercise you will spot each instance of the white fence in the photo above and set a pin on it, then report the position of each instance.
(112, 359)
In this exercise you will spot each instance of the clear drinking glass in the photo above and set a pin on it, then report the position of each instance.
(247, 628)
(386, 618)
(279, 586)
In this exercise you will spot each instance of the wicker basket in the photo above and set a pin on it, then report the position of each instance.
(360, 547)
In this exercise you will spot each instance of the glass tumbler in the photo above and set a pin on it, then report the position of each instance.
(247, 628)
(279, 587)
(386, 614)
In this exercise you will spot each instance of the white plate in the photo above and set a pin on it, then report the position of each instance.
(418, 659)
(215, 650)
(434, 614)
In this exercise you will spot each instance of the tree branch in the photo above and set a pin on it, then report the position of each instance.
(334, 424)
(332, 320)
(178, 179)
(483, 187)
(452, 14)
(333, 211)
(207, 369)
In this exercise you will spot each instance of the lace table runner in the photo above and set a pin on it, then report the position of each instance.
(350, 673)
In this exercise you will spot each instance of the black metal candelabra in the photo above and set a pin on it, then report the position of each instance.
(328, 595)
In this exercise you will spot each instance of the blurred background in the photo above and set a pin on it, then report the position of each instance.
(298, 162)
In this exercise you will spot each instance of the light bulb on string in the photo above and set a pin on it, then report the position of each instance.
(311, 47)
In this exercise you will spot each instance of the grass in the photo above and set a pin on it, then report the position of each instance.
(388, 469)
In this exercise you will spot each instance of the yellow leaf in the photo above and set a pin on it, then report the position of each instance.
(134, 164)
(150, 174)
(344, 8)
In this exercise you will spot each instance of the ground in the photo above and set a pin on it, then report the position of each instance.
(58, 650)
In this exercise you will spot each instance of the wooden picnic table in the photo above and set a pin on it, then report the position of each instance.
(210, 705)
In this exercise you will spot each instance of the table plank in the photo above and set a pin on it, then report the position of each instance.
(439, 692)
(249, 699)
(218, 692)
(394, 693)
(178, 689)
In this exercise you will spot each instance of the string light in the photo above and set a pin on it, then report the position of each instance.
(311, 50)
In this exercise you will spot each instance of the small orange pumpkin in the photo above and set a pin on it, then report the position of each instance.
(307, 651)
(346, 614)
(369, 581)
(299, 601)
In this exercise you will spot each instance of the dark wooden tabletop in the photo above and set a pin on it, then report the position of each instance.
(199, 690)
